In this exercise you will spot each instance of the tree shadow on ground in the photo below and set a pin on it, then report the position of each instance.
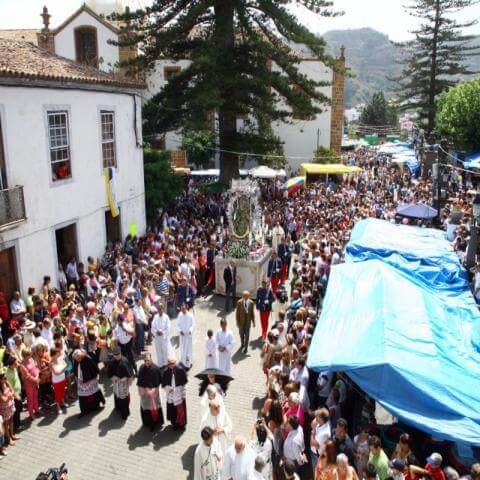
(215, 302)
(113, 422)
(187, 460)
(74, 422)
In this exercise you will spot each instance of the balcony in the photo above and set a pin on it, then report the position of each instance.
(12, 207)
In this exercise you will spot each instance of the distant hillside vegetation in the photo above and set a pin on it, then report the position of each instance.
(371, 57)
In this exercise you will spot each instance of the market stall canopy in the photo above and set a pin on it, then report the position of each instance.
(417, 210)
(413, 350)
(212, 172)
(182, 170)
(327, 169)
(263, 171)
(472, 161)
(424, 252)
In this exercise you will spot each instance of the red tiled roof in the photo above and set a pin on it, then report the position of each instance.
(24, 60)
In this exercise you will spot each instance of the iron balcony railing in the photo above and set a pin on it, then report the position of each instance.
(12, 206)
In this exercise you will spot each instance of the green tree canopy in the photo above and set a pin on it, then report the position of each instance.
(325, 155)
(242, 65)
(200, 146)
(458, 115)
(435, 59)
(379, 112)
(162, 184)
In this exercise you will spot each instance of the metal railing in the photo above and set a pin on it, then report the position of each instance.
(12, 206)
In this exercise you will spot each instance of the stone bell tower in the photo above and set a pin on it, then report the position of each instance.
(338, 105)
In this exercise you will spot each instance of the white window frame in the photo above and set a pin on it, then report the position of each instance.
(113, 140)
(50, 111)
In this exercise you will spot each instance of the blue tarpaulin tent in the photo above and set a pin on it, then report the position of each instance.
(472, 161)
(423, 252)
(399, 319)
(410, 348)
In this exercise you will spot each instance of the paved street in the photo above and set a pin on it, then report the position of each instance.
(103, 447)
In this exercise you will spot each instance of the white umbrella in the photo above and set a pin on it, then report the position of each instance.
(263, 172)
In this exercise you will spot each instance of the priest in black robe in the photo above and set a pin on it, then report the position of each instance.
(120, 372)
(86, 372)
(148, 382)
(174, 381)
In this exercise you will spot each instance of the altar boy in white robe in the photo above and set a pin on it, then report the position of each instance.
(224, 341)
(161, 335)
(185, 326)
(210, 351)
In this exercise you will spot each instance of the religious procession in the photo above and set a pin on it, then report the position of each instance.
(239, 240)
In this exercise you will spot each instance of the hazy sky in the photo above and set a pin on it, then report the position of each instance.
(387, 16)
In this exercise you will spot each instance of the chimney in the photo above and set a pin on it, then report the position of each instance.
(45, 37)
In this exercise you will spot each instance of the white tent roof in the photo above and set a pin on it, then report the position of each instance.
(263, 171)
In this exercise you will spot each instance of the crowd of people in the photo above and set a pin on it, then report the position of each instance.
(99, 320)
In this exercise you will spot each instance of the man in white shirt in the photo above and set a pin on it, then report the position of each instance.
(161, 334)
(141, 324)
(294, 445)
(17, 305)
(300, 373)
(239, 461)
(208, 457)
(324, 386)
(277, 234)
(185, 325)
(224, 341)
(321, 433)
(46, 332)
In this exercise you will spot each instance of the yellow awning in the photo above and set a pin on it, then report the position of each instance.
(327, 169)
(182, 170)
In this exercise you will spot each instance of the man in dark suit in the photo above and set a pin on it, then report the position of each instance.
(284, 255)
(264, 304)
(274, 272)
(245, 318)
(230, 279)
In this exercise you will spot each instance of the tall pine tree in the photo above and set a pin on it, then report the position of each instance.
(436, 58)
(379, 112)
(242, 65)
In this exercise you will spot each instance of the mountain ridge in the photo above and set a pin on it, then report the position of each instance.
(371, 58)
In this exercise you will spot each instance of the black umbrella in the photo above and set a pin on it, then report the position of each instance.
(222, 378)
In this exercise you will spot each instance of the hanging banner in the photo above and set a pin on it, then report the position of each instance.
(133, 229)
(110, 187)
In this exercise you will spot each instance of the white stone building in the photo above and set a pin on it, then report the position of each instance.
(61, 124)
(84, 37)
